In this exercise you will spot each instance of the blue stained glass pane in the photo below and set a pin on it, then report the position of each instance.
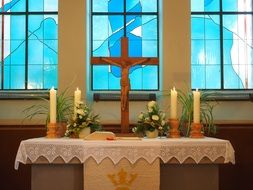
(149, 48)
(50, 76)
(37, 5)
(149, 27)
(51, 29)
(106, 37)
(213, 75)
(150, 77)
(198, 52)
(35, 52)
(7, 77)
(231, 80)
(136, 79)
(36, 26)
(17, 77)
(212, 52)
(17, 27)
(197, 27)
(35, 77)
(141, 6)
(50, 5)
(16, 6)
(212, 30)
(100, 77)
(230, 26)
(205, 5)
(50, 52)
(114, 81)
(198, 76)
(17, 52)
(237, 5)
(107, 6)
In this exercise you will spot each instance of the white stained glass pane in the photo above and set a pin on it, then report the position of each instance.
(197, 5)
(101, 29)
(149, 5)
(100, 5)
(50, 5)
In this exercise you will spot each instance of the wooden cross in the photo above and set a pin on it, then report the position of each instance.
(125, 63)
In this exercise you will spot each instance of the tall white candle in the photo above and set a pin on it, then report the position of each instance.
(196, 106)
(52, 105)
(77, 99)
(173, 103)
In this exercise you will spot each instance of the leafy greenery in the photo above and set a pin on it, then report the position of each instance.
(206, 111)
(64, 108)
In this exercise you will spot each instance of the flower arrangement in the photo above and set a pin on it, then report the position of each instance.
(82, 118)
(153, 119)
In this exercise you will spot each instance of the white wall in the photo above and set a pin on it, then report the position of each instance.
(176, 56)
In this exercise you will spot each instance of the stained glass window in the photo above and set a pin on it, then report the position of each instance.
(135, 19)
(29, 44)
(221, 36)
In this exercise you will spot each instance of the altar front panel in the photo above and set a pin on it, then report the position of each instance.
(172, 177)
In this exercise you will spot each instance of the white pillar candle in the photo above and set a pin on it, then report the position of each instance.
(173, 104)
(77, 99)
(52, 105)
(196, 106)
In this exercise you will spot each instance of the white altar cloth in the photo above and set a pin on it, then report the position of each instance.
(148, 149)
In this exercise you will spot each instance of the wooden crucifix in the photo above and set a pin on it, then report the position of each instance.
(125, 63)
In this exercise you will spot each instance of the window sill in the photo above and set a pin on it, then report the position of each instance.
(233, 95)
(107, 96)
(23, 95)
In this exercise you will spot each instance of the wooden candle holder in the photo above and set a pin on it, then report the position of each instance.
(196, 130)
(51, 130)
(173, 131)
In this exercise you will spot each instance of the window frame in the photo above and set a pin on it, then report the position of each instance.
(225, 94)
(106, 92)
(25, 93)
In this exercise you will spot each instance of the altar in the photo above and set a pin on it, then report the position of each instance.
(183, 163)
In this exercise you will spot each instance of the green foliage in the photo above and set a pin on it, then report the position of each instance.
(206, 111)
(64, 108)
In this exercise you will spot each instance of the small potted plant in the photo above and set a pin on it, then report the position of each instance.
(206, 112)
(83, 122)
(151, 123)
(64, 109)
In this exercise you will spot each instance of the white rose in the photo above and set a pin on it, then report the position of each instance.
(151, 104)
(155, 117)
(141, 116)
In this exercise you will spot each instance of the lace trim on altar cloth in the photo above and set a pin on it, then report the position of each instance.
(148, 149)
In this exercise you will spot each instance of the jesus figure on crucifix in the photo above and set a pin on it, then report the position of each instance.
(125, 63)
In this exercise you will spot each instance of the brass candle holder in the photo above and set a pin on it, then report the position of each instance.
(196, 130)
(173, 131)
(51, 130)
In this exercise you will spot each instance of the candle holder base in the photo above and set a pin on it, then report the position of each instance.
(173, 131)
(51, 130)
(196, 130)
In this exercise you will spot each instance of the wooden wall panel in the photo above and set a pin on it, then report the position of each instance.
(10, 138)
(232, 177)
(238, 176)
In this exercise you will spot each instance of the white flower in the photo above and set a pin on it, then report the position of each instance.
(163, 115)
(160, 128)
(134, 129)
(150, 110)
(80, 116)
(163, 123)
(155, 117)
(151, 104)
(141, 116)
(80, 111)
